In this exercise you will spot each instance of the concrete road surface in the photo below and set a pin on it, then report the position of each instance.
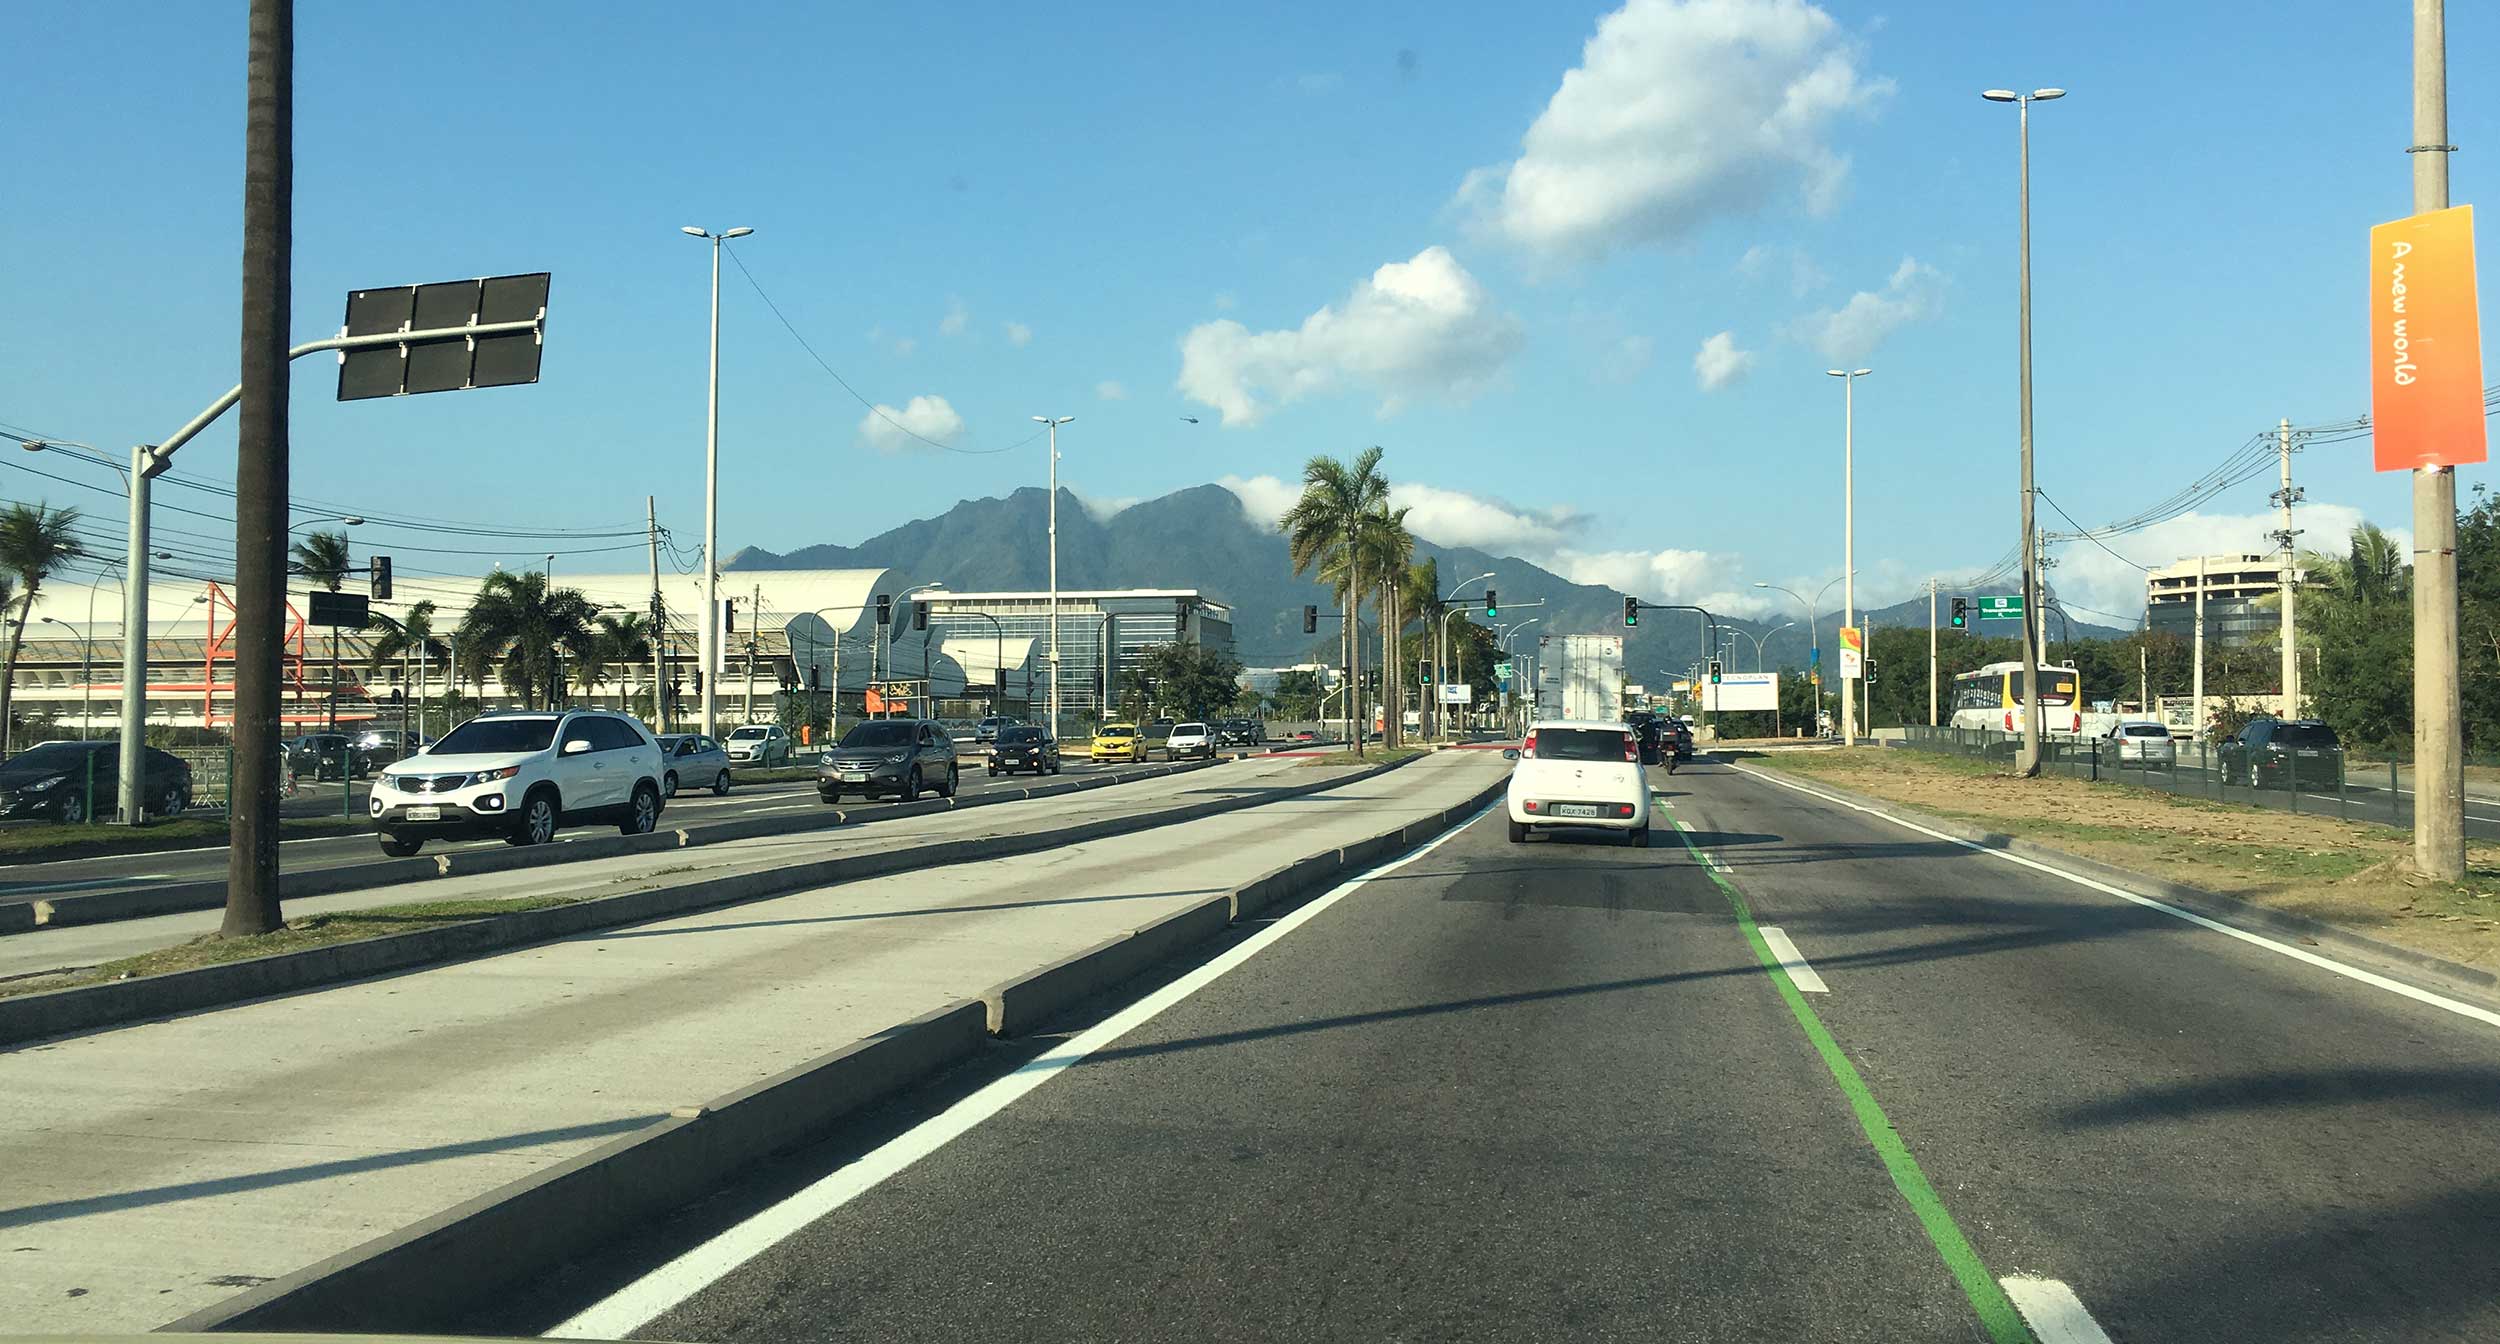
(1552, 1091)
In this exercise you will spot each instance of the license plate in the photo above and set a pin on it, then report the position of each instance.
(854, 776)
(2307, 752)
(425, 814)
(1578, 810)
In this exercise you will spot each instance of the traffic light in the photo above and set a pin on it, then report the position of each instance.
(1961, 613)
(1631, 611)
(1492, 604)
(1423, 671)
(919, 615)
(815, 677)
(698, 681)
(885, 609)
(381, 578)
(729, 615)
(1870, 671)
(1310, 620)
(1714, 671)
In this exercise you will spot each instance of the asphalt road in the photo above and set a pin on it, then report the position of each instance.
(1551, 1091)
(32, 881)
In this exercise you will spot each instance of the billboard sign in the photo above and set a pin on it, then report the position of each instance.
(1852, 652)
(1457, 693)
(2426, 354)
(1740, 692)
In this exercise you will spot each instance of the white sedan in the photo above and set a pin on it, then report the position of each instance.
(1579, 773)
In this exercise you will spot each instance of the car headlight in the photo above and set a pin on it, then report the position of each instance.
(898, 758)
(53, 783)
(490, 776)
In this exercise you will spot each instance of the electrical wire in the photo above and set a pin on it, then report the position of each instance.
(2086, 535)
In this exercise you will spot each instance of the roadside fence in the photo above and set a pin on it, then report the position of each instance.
(2315, 780)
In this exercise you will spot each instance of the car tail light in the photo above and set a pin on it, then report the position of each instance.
(1623, 809)
(1528, 747)
(1631, 751)
(1531, 805)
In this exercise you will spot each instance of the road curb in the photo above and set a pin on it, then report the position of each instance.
(61, 1012)
(2212, 905)
(177, 898)
(430, 1275)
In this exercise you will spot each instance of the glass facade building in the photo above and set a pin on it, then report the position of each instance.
(1102, 635)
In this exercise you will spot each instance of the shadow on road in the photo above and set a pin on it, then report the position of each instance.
(2468, 1091)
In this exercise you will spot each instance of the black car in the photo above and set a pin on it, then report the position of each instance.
(330, 756)
(2280, 753)
(897, 757)
(1240, 733)
(1022, 748)
(68, 781)
(1653, 736)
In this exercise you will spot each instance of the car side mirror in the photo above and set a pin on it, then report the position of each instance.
(1510, 753)
(577, 746)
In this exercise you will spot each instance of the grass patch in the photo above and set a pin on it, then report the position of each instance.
(1374, 756)
(2353, 874)
(48, 840)
(345, 926)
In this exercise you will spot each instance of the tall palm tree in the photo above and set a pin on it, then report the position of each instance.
(321, 558)
(618, 644)
(524, 629)
(403, 637)
(1323, 530)
(35, 543)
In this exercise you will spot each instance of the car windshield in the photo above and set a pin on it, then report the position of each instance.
(1579, 744)
(886, 734)
(2146, 730)
(494, 736)
(1198, 728)
(56, 756)
(1118, 730)
(750, 734)
(1021, 735)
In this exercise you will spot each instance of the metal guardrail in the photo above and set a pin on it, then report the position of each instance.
(2201, 769)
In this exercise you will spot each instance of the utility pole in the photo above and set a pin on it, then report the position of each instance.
(2284, 498)
(2196, 696)
(1931, 653)
(755, 635)
(2438, 743)
(2144, 681)
(659, 670)
(260, 473)
(2029, 763)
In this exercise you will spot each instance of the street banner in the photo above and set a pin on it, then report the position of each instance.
(1852, 652)
(2426, 354)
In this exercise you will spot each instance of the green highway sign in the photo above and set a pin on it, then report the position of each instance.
(2001, 608)
(1502, 670)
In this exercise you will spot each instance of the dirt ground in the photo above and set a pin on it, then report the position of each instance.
(2346, 873)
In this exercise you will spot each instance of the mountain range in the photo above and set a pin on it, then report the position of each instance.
(1202, 538)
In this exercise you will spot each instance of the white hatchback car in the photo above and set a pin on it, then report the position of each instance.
(1188, 741)
(519, 775)
(1579, 772)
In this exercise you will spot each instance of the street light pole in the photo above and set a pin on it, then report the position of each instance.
(1849, 533)
(2438, 742)
(1053, 423)
(2029, 763)
(709, 652)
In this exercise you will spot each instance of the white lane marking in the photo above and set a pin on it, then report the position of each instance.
(2052, 1310)
(82, 884)
(1791, 960)
(639, 1303)
(2396, 987)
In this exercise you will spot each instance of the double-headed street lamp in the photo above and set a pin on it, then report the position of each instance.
(710, 629)
(1759, 639)
(1441, 647)
(1814, 643)
(2030, 763)
(1053, 422)
(1848, 528)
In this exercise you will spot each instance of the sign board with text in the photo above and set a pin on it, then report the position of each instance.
(1852, 651)
(1738, 692)
(1457, 693)
(2006, 608)
(2426, 353)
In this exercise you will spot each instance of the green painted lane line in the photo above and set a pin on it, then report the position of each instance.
(2004, 1324)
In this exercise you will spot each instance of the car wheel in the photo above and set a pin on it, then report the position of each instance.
(642, 815)
(1637, 837)
(954, 781)
(537, 823)
(1519, 832)
(171, 802)
(668, 786)
(720, 784)
(993, 772)
(399, 847)
(829, 795)
(911, 786)
(72, 809)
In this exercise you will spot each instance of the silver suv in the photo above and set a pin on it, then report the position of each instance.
(520, 774)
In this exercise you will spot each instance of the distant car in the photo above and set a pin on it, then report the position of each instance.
(1023, 748)
(328, 756)
(68, 781)
(1189, 741)
(760, 744)
(897, 757)
(1240, 733)
(1578, 773)
(378, 747)
(2281, 753)
(2137, 740)
(987, 730)
(1117, 742)
(521, 774)
(1305, 735)
(693, 761)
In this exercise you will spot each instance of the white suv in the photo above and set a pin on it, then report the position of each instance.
(1579, 772)
(519, 775)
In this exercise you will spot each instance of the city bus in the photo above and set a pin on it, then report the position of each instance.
(1992, 698)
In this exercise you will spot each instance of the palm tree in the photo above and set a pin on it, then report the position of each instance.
(321, 558)
(1388, 549)
(2373, 572)
(523, 629)
(617, 645)
(35, 543)
(1323, 531)
(403, 636)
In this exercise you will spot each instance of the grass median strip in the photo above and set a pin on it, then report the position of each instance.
(309, 931)
(1987, 1297)
(43, 841)
(2354, 875)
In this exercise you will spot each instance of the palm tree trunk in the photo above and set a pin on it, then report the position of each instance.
(1357, 716)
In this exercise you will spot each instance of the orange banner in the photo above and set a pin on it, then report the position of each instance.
(2426, 352)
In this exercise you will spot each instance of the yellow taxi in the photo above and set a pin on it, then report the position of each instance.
(1117, 742)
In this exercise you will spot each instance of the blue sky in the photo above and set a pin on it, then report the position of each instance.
(1008, 210)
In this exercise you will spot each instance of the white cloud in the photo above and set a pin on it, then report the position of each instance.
(1416, 329)
(1018, 334)
(1804, 277)
(956, 319)
(930, 417)
(1688, 577)
(1680, 111)
(2085, 575)
(1851, 332)
(1104, 510)
(1457, 518)
(1263, 498)
(1720, 364)
(1110, 389)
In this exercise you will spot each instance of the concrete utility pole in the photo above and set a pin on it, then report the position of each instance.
(1849, 536)
(2284, 499)
(2032, 638)
(2196, 696)
(1931, 653)
(659, 669)
(2438, 730)
(1052, 423)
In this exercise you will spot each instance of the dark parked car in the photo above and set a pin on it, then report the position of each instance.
(1021, 748)
(1240, 733)
(898, 757)
(2279, 753)
(67, 781)
(378, 747)
(329, 756)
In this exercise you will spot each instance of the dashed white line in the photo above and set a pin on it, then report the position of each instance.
(1792, 961)
(2052, 1311)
